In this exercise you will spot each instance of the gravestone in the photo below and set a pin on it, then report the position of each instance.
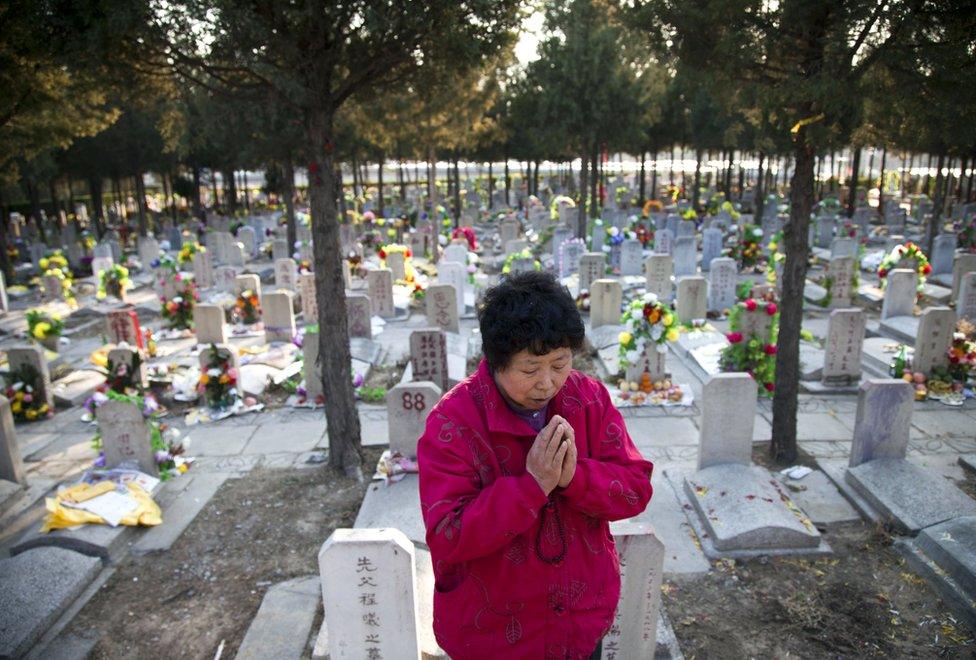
(559, 236)
(442, 310)
(134, 365)
(711, 246)
(279, 249)
(312, 366)
(279, 316)
(100, 264)
(606, 298)
(428, 357)
(966, 300)
(457, 253)
(379, 284)
(175, 238)
(658, 270)
(652, 361)
(359, 313)
(11, 463)
(722, 280)
(512, 247)
(248, 282)
(310, 307)
(692, 302)
(285, 274)
(522, 265)
(943, 250)
(125, 436)
(508, 230)
(684, 256)
(51, 287)
(883, 420)
(203, 272)
(842, 350)
(842, 271)
(598, 236)
(370, 572)
(455, 274)
(843, 247)
(33, 356)
(122, 325)
(226, 278)
(663, 241)
(248, 238)
(235, 254)
(407, 407)
(728, 415)
(899, 294)
(825, 231)
(935, 328)
(593, 266)
(148, 248)
(208, 324)
(963, 263)
(641, 556)
(631, 257)
(569, 259)
(397, 263)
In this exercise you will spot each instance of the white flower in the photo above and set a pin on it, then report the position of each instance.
(178, 299)
(656, 331)
(606, 248)
(662, 348)
(99, 398)
(650, 297)
(632, 356)
(213, 373)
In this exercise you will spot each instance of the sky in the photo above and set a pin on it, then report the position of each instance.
(525, 49)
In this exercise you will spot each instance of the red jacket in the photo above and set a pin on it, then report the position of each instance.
(494, 596)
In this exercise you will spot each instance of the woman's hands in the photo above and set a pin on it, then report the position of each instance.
(552, 458)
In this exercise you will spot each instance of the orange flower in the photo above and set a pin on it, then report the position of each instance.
(204, 379)
(224, 379)
(655, 316)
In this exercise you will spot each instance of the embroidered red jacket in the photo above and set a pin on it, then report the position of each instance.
(486, 528)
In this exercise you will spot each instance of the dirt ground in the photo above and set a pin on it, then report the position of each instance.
(257, 531)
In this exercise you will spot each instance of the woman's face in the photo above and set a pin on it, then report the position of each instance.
(531, 381)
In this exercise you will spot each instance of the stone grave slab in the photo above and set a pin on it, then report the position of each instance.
(902, 328)
(394, 506)
(819, 498)
(742, 511)
(35, 588)
(604, 336)
(75, 388)
(366, 350)
(968, 462)
(909, 497)
(282, 626)
(408, 405)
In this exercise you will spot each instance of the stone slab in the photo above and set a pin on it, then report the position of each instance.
(722, 515)
(968, 462)
(284, 621)
(819, 498)
(366, 350)
(180, 511)
(76, 387)
(907, 496)
(951, 591)
(35, 587)
(603, 336)
(952, 545)
(875, 358)
(902, 328)
(99, 541)
(694, 339)
(396, 505)
(10, 493)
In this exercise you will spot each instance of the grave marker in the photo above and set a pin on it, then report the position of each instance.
(842, 351)
(634, 630)
(684, 256)
(379, 284)
(397, 263)
(122, 325)
(312, 366)
(712, 239)
(943, 250)
(359, 313)
(843, 247)
(899, 294)
(631, 257)
(442, 307)
(722, 280)
(310, 307)
(842, 271)
(966, 301)
(285, 274)
(428, 357)
(279, 316)
(935, 328)
(33, 356)
(457, 253)
(203, 272)
(663, 241)
(208, 324)
(692, 300)
(455, 274)
(11, 463)
(593, 266)
(227, 278)
(606, 298)
(125, 436)
(728, 416)
(658, 270)
(407, 407)
(134, 365)
(883, 421)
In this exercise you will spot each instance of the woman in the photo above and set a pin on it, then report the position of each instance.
(522, 466)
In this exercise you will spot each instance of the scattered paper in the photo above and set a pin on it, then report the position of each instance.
(112, 506)
(796, 472)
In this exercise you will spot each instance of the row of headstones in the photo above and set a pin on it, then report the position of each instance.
(902, 286)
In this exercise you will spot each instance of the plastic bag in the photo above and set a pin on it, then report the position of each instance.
(147, 513)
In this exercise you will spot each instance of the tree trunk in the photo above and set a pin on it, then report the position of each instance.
(230, 191)
(141, 204)
(95, 192)
(491, 183)
(581, 211)
(457, 192)
(508, 184)
(401, 179)
(969, 183)
(641, 188)
(594, 177)
(5, 264)
(783, 447)
(535, 180)
(852, 183)
(291, 230)
(247, 192)
(671, 173)
(697, 184)
(195, 197)
(928, 178)
(962, 175)
(379, 184)
(759, 199)
(213, 185)
(654, 176)
(881, 184)
(932, 228)
(34, 199)
(341, 415)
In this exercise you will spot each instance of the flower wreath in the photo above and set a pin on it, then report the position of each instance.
(115, 277)
(646, 320)
(753, 355)
(41, 324)
(901, 253)
(774, 256)
(748, 249)
(247, 308)
(22, 394)
(188, 251)
(393, 248)
(523, 254)
(218, 383)
(178, 311)
(56, 265)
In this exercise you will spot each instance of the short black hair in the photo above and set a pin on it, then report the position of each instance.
(528, 311)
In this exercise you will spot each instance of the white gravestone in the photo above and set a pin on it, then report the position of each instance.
(203, 272)
(684, 256)
(899, 295)
(711, 246)
(721, 284)
(692, 299)
(397, 263)
(455, 274)
(841, 270)
(442, 307)
(631, 257)
(227, 278)
(569, 259)
(359, 313)
(279, 316)
(728, 416)
(842, 351)
(883, 420)
(606, 298)
(943, 250)
(249, 282)
(455, 252)
(663, 241)
(966, 301)
(428, 357)
(285, 274)
(312, 366)
(407, 407)
(652, 362)
(634, 630)
(33, 357)
(310, 307)
(593, 266)
(658, 271)
(843, 247)
(125, 436)
(935, 328)
(208, 324)
(11, 463)
(380, 287)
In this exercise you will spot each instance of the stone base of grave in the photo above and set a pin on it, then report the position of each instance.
(875, 359)
(820, 499)
(35, 588)
(75, 388)
(396, 505)
(741, 511)
(10, 494)
(704, 360)
(366, 350)
(457, 366)
(939, 295)
(906, 496)
(901, 328)
(603, 337)
(400, 315)
(283, 624)
(944, 555)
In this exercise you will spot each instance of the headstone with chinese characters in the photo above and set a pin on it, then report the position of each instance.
(310, 307)
(935, 328)
(943, 250)
(248, 282)
(122, 325)
(442, 309)
(358, 315)
(652, 362)
(508, 230)
(606, 298)
(249, 239)
(285, 274)
(131, 358)
(728, 415)
(279, 316)
(203, 272)
(711, 246)
(963, 263)
(368, 589)
(226, 278)
(658, 271)
(631, 257)
(883, 420)
(312, 366)
(842, 271)
(842, 350)
(11, 463)
(428, 357)
(125, 436)
(966, 300)
(31, 358)
(279, 249)
(825, 230)
(721, 284)
(593, 266)
(148, 248)
(684, 256)
(455, 274)
(633, 633)
(379, 284)
(396, 262)
(663, 241)
(235, 254)
(692, 299)
(208, 324)
(569, 260)
(899, 294)
(521, 265)
(407, 407)
(843, 246)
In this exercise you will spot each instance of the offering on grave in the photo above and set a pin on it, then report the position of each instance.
(753, 327)
(57, 276)
(188, 251)
(177, 312)
(399, 259)
(23, 392)
(44, 327)
(899, 256)
(648, 323)
(218, 378)
(114, 281)
(747, 250)
(520, 262)
(247, 308)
